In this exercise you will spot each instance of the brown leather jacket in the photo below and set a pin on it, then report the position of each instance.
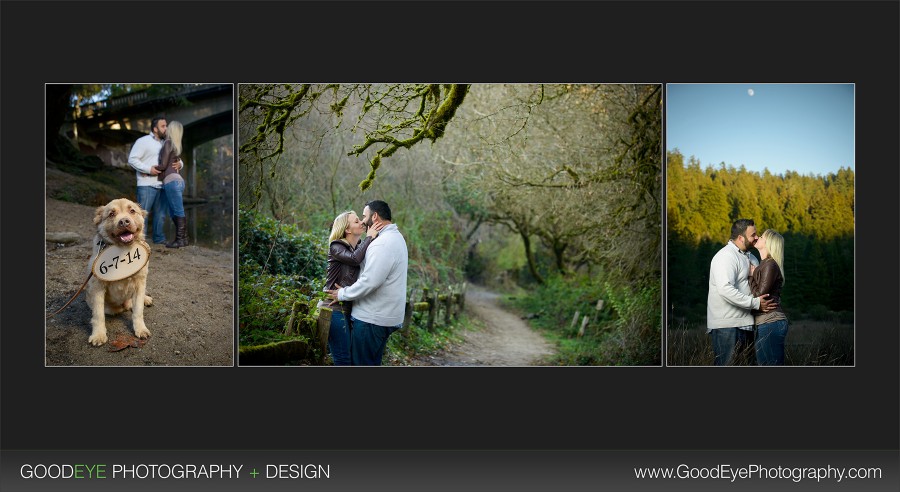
(767, 279)
(343, 265)
(167, 157)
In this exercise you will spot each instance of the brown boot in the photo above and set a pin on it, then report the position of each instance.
(180, 233)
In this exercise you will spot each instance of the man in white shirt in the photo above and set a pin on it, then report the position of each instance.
(729, 321)
(144, 157)
(379, 296)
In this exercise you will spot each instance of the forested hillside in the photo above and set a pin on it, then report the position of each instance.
(814, 213)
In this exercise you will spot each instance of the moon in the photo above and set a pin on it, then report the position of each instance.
(750, 91)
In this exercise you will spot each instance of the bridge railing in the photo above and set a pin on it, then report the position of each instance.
(135, 98)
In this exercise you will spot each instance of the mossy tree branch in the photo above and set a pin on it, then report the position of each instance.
(422, 126)
(391, 116)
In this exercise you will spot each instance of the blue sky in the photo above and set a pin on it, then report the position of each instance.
(806, 128)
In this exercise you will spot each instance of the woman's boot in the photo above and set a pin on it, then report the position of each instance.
(180, 233)
(174, 242)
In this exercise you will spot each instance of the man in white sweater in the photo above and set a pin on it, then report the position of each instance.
(379, 295)
(728, 319)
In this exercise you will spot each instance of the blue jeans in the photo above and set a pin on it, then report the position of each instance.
(339, 339)
(770, 343)
(150, 200)
(173, 191)
(726, 341)
(368, 341)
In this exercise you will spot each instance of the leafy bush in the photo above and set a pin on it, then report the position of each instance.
(416, 341)
(280, 280)
(267, 301)
(281, 248)
(636, 335)
(625, 332)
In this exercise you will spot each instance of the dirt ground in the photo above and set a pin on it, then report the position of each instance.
(500, 339)
(191, 319)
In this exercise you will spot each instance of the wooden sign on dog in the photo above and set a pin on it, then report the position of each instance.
(118, 262)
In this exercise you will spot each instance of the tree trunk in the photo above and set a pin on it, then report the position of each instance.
(530, 256)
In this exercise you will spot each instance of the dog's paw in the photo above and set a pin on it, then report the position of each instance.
(97, 339)
(148, 301)
(141, 332)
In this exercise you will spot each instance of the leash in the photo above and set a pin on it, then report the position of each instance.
(103, 246)
(73, 297)
(91, 274)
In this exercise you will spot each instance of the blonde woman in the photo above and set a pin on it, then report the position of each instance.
(173, 183)
(345, 254)
(768, 278)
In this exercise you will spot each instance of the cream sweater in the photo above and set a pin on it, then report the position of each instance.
(379, 296)
(144, 155)
(729, 301)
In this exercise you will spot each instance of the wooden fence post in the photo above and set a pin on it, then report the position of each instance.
(462, 297)
(407, 316)
(289, 329)
(432, 311)
(454, 302)
(448, 307)
(584, 323)
(574, 320)
(323, 326)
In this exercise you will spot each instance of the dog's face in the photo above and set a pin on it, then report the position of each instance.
(120, 222)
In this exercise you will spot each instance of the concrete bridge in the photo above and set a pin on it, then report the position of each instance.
(109, 128)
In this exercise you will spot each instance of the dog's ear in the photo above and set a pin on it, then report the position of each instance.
(98, 216)
(143, 212)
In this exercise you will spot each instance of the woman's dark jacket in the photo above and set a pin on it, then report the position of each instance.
(167, 157)
(343, 265)
(767, 279)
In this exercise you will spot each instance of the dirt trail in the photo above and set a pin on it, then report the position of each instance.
(504, 339)
(191, 319)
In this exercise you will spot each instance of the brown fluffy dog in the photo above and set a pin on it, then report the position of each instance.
(119, 222)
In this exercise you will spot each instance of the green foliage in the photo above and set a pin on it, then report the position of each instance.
(625, 332)
(437, 251)
(636, 338)
(416, 341)
(267, 301)
(702, 203)
(815, 214)
(280, 281)
(281, 248)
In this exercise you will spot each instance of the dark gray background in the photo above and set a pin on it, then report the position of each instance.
(448, 408)
(460, 470)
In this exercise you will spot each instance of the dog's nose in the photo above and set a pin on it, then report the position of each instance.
(124, 222)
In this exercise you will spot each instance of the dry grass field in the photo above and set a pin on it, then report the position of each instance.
(808, 343)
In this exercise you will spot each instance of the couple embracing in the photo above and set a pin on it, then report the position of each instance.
(744, 300)
(156, 159)
(366, 281)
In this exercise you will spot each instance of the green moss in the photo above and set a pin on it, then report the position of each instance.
(276, 353)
